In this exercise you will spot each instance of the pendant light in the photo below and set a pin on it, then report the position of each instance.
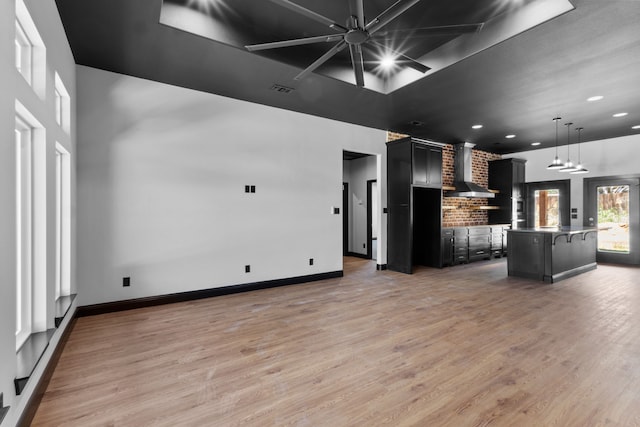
(557, 163)
(568, 166)
(580, 167)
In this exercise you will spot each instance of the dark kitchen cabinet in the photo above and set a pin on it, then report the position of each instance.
(446, 247)
(460, 245)
(508, 177)
(427, 166)
(480, 243)
(414, 201)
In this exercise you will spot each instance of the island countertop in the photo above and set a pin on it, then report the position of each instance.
(551, 253)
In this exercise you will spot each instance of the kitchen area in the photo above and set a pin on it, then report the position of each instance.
(451, 204)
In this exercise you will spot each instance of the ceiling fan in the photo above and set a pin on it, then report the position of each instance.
(358, 33)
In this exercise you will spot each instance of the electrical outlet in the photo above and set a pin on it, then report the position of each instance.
(126, 281)
(247, 189)
(247, 269)
(310, 261)
(253, 188)
(364, 246)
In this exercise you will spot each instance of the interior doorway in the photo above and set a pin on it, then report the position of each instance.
(612, 205)
(360, 201)
(372, 226)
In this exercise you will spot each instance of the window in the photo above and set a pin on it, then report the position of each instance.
(547, 208)
(547, 203)
(24, 49)
(62, 215)
(24, 228)
(31, 225)
(62, 104)
(30, 55)
(58, 102)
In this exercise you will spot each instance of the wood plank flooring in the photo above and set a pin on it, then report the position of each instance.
(461, 346)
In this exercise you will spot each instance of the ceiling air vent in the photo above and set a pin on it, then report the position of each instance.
(281, 88)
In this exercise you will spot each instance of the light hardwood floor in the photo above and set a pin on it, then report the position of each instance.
(461, 346)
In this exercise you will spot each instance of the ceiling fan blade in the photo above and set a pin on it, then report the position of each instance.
(429, 31)
(324, 58)
(358, 63)
(403, 59)
(294, 42)
(357, 9)
(389, 15)
(309, 14)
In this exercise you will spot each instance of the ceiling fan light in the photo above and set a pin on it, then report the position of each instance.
(387, 62)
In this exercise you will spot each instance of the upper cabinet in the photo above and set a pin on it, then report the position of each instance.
(507, 176)
(427, 165)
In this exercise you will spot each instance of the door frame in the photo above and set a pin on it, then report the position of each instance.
(345, 218)
(590, 208)
(564, 187)
(370, 217)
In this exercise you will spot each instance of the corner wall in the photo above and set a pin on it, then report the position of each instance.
(162, 172)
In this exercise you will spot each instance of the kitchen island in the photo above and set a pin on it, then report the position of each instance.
(551, 254)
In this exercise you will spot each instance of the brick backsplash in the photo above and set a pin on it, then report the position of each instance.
(463, 214)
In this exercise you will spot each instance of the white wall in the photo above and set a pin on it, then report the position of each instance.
(161, 177)
(616, 156)
(13, 87)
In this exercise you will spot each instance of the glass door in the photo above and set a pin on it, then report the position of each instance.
(613, 209)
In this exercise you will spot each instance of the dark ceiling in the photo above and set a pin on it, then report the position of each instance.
(514, 85)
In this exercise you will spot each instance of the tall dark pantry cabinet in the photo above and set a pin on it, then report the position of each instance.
(507, 176)
(414, 201)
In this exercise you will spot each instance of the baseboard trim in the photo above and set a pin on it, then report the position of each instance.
(111, 307)
(380, 267)
(31, 407)
(357, 255)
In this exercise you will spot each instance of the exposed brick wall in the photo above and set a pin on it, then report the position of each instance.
(392, 136)
(463, 214)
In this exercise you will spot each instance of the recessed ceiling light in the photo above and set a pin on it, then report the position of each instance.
(595, 98)
(510, 136)
(476, 127)
(536, 143)
(620, 114)
(635, 127)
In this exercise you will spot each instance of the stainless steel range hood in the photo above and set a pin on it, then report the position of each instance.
(464, 187)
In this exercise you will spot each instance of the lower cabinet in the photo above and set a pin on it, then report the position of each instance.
(480, 243)
(446, 247)
(466, 244)
(460, 245)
